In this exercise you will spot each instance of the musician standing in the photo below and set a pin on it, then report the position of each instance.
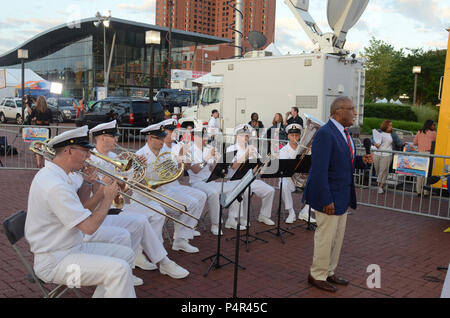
(192, 198)
(56, 221)
(330, 190)
(134, 216)
(245, 152)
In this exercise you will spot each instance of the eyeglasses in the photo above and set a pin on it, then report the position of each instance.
(157, 138)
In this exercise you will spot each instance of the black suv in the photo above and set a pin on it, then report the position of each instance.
(62, 108)
(176, 98)
(128, 111)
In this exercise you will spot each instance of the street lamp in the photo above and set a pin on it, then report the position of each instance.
(152, 38)
(416, 71)
(23, 55)
(105, 20)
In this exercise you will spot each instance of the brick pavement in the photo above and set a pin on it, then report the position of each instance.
(408, 249)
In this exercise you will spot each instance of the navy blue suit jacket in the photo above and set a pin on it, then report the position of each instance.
(331, 176)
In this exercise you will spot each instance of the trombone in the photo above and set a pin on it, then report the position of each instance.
(42, 148)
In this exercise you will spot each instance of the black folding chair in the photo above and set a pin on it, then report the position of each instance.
(14, 227)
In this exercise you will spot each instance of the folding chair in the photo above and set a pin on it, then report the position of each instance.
(14, 227)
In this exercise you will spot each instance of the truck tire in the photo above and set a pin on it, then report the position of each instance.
(19, 120)
(2, 118)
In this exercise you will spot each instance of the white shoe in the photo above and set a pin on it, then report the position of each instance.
(184, 246)
(380, 191)
(196, 233)
(291, 218)
(265, 220)
(304, 216)
(143, 263)
(137, 281)
(215, 229)
(232, 224)
(173, 270)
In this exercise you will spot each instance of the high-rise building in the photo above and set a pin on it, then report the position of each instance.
(216, 17)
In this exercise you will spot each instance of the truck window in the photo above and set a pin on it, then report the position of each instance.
(211, 95)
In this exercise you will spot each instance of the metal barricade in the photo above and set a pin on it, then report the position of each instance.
(407, 193)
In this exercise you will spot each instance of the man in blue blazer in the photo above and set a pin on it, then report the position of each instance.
(330, 191)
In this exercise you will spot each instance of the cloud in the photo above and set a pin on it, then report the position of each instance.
(147, 5)
(427, 12)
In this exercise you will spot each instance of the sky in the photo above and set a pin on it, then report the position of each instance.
(401, 23)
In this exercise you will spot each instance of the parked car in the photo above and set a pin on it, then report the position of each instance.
(11, 110)
(176, 98)
(130, 112)
(62, 108)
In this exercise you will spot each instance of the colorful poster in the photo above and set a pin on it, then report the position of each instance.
(410, 147)
(411, 165)
(31, 134)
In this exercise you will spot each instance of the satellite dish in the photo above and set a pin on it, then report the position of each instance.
(343, 14)
(301, 4)
(256, 39)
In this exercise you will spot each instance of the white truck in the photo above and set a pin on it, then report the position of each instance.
(273, 84)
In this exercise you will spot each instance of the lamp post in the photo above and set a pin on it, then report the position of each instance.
(105, 20)
(416, 71)
(152, 38)
(23, 55)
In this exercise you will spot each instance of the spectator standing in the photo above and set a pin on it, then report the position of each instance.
(42, 116)
(80, 108)
(213, 125)
(294, 119)
(255, 123)
(423, 140)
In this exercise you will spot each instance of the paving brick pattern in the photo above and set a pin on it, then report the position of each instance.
(408, 248)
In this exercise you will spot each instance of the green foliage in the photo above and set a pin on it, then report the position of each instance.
(375, 123)
(426, 112)
(389, 72)
(391, 111)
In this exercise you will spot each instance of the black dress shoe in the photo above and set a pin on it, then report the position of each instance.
(337, 280)
(322, 284)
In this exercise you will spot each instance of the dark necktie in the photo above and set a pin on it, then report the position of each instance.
(349, 145)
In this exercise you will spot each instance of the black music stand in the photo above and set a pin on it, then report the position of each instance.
(286, 169)
(238, 175)
(304, 167)
(220, 171)
(226, 200)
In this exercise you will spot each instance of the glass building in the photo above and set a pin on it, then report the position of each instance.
(74, 56)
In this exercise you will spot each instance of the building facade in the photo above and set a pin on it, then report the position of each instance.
(217, 18)
(75, 57)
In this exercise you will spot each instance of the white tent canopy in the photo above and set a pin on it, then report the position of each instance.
(14, 76)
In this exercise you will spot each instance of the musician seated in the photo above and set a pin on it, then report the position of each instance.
(180, 151)
(204, 159)
(143, 236)
(193, 200)
(245, 152)
(290, 151)
(57, 221)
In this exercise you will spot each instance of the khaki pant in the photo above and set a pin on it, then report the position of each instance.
(328, 239)
(381, 164)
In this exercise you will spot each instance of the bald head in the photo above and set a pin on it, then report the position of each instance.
(338, 103)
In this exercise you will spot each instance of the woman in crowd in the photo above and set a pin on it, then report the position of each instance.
(42, 116)
(256, 123)
(80, 108)
(423, 140)
(388, 140)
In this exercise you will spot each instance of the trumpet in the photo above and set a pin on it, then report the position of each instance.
(42, 148)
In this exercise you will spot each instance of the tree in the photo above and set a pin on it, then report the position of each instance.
(380, 60)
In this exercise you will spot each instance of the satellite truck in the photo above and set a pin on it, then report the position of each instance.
(273, 84)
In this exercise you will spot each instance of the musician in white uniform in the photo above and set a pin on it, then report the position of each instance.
(192, 198)
(244, 151)
(57, 221)
(290, 151)
(143, 236)
(204, 159)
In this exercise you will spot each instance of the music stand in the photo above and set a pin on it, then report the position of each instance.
(226, 200)
(220, 171)
(238, 175)
(286, 168)
(304, 166)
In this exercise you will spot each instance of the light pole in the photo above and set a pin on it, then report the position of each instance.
(105, 20)
(23, 55)
(416, 71)
(152, 38)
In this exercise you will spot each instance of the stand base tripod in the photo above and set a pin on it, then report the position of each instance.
(309, 226)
